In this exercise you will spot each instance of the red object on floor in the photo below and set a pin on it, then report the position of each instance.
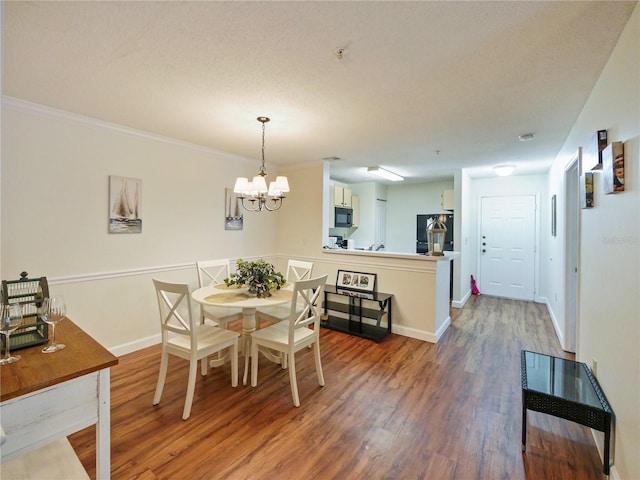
(474, 287)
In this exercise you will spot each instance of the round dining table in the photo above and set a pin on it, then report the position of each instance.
(230, 296)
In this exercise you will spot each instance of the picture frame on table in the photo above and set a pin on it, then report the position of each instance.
(358, 281)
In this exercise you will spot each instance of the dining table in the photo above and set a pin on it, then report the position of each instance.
(221, 295)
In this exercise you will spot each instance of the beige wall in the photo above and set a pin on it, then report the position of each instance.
(55, 169)
(609, 299)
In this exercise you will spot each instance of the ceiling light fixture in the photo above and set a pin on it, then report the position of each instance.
(525, 137)
(504, 170)
(255, 191)
(386, 174)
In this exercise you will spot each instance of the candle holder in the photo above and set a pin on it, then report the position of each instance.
(436, 231)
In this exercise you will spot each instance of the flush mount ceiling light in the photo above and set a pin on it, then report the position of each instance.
(386, 174)
(504, 170)
(525, 137)
(255, 191)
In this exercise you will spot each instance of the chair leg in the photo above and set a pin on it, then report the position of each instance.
(254, 363)
(191, 387)
(316, 351)
(234, 364)
(162, 376)
(292, 379)
(204, 366)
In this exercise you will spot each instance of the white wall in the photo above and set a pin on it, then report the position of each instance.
(609, 278)
(55, 169)
(404, 202)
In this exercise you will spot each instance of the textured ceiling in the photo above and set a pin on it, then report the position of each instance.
(423, 88)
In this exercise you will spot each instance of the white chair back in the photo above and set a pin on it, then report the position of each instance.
(174, 303)
(212, 272)
(306, 310)
(298, 270)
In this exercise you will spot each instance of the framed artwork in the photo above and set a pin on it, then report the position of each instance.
(553, 215)
(592, 155)
(586, 190)
(125, 196)
(363, 282)
(613, 168)
(233, 217)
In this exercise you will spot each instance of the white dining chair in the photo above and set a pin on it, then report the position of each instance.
(187, 338)
(290, 336)
(213, 272)
(296, 270)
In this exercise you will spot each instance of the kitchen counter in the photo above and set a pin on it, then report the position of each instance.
(448, 256)
(419, 283)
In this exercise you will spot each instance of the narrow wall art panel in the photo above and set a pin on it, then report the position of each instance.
(125, 195)
(586, 190)
(613, 168)
(234, 219)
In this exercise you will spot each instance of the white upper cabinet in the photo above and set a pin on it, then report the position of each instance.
(342, 196)
(355, 204)
(448, 200)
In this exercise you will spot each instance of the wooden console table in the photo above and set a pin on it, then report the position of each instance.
(44, 397)
(565, 389)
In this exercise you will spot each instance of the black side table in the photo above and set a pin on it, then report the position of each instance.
(565, 389)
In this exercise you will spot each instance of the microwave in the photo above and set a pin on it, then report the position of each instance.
(344, 217)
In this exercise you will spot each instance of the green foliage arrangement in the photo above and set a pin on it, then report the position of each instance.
(259, 276)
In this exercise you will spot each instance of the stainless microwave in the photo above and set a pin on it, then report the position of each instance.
(344, 217)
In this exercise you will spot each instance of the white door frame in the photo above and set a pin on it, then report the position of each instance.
(536, 254)
(571, 251)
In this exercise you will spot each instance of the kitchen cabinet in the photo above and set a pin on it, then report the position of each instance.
(342, 196)
(447, 200)
(355, 205)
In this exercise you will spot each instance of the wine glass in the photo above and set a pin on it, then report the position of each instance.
(11, 319)
(53, 311)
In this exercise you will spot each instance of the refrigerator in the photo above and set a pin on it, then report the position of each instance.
(421, 231)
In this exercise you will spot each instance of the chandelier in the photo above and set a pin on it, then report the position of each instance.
(254, 194)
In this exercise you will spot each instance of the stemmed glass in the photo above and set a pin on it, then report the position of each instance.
(53, 311)
(11, 319)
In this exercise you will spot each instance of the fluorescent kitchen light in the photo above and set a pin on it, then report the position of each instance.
(386, 174)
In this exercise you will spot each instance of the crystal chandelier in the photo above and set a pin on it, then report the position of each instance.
(254, 194)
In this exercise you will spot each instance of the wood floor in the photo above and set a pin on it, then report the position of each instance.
(401, 409)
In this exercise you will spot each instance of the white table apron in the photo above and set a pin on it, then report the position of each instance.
(223, 296)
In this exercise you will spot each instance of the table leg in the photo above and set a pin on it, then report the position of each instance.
(524, 421)
(103, 427)
(607, 442)
(248, 326)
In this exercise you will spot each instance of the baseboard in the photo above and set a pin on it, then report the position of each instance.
(136, 345)
(554, 321)
(461, 303)
(421, 334)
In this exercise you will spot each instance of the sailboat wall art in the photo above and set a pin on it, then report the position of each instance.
(233, 218)
(125, 195)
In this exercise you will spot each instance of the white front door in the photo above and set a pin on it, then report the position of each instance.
(507, 247)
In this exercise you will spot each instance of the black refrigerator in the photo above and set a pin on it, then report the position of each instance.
(421, 231)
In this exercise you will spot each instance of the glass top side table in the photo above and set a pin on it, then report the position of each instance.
(565, 389)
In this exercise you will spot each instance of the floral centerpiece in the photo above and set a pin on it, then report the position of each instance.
(260, 276)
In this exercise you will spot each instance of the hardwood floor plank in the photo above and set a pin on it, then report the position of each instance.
(401, 409)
